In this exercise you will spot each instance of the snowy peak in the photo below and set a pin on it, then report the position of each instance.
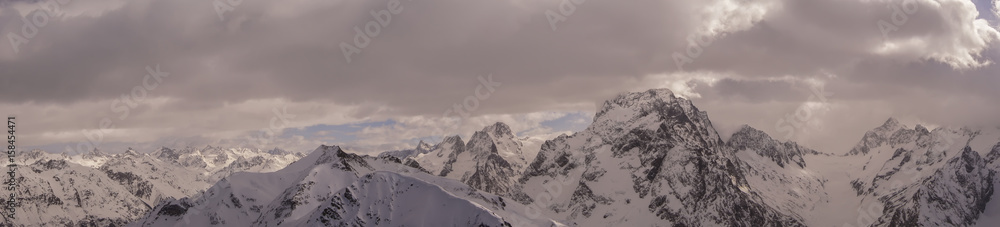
(131, 152)
(953, 195)
(319, 191)
(750, 133)
(498, 129)
(749, 138)
(924, 178)
(33, 156)
(278, 151)
(491, 160)
(890, 125)
(331, 155)
(496, 138)
(96, 153)
(877, 137)
(651, 158)
(324, 154)
(637, 100)
(102, 189)
(423, 147)
(435, 160)
(165, 153)
(654, 110)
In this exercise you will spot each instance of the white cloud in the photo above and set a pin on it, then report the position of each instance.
(996, 8)
(727, 16)
(960, 43)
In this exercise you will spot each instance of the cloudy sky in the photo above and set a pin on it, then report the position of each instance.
(378, 75)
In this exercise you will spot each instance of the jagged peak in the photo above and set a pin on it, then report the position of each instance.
(208, 147)
(648, 111)
(278, 151)
(780, 152)
(746, 132)
(659, 93)
(328, 149)
(749, 130)
(498, 129)
(452, 139)
(189, 149)
(878, 136)
(323, 154)
(891, 124)
(451, 142)
(423, 146)
(97, 152)
(658, 100)
(131, 151)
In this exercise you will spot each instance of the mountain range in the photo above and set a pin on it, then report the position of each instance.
(648, 159)
(102, 189)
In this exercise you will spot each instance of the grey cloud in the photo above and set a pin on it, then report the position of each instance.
(429, 57)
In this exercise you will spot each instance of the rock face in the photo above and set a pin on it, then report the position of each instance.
(330, 187)
(651, 158)
(491, 161)
(925, 178)
(781, 153)
(435, 161)
(648, 158)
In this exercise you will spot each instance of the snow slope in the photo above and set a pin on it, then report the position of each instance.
(101, 189)
(330, 187)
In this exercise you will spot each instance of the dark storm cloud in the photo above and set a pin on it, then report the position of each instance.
(439, 46)
(765, 58)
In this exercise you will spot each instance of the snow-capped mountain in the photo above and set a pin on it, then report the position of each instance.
(649, 158)
(659, 152)
(54, 192)
(152, 179)
(780, 152)
(434, 161)
(422, 148)
(102, 189)
(491, 160)
(330, 187)
(921, 177)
